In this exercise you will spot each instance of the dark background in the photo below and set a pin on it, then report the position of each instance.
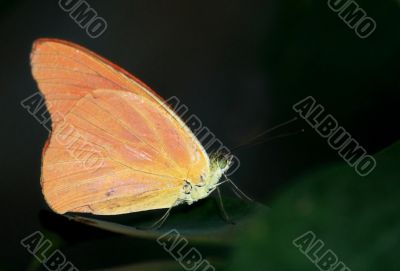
(238, 65)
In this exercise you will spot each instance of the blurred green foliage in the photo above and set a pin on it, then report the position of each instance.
(356, 217)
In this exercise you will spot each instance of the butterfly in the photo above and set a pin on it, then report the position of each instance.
(115, 146)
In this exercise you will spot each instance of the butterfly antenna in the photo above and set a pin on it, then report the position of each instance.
(252, 144)
(251, 141)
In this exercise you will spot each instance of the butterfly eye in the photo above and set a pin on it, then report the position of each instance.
(187, 188)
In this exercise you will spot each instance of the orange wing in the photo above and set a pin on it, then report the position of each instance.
(65, 72)
(115, 147)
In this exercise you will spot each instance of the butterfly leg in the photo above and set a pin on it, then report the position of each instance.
(222, 208)
(156, 225)
(237, 190)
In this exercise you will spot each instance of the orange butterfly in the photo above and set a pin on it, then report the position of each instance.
(115, 146)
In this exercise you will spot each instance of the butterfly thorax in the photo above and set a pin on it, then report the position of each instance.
(194, 192)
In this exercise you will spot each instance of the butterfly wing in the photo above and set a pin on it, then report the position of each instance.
(65, 72)
(111, 151)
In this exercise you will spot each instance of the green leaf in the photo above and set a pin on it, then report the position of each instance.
(356, 217)
(200, 223)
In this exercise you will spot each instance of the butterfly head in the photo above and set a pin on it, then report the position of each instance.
(219, 164)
